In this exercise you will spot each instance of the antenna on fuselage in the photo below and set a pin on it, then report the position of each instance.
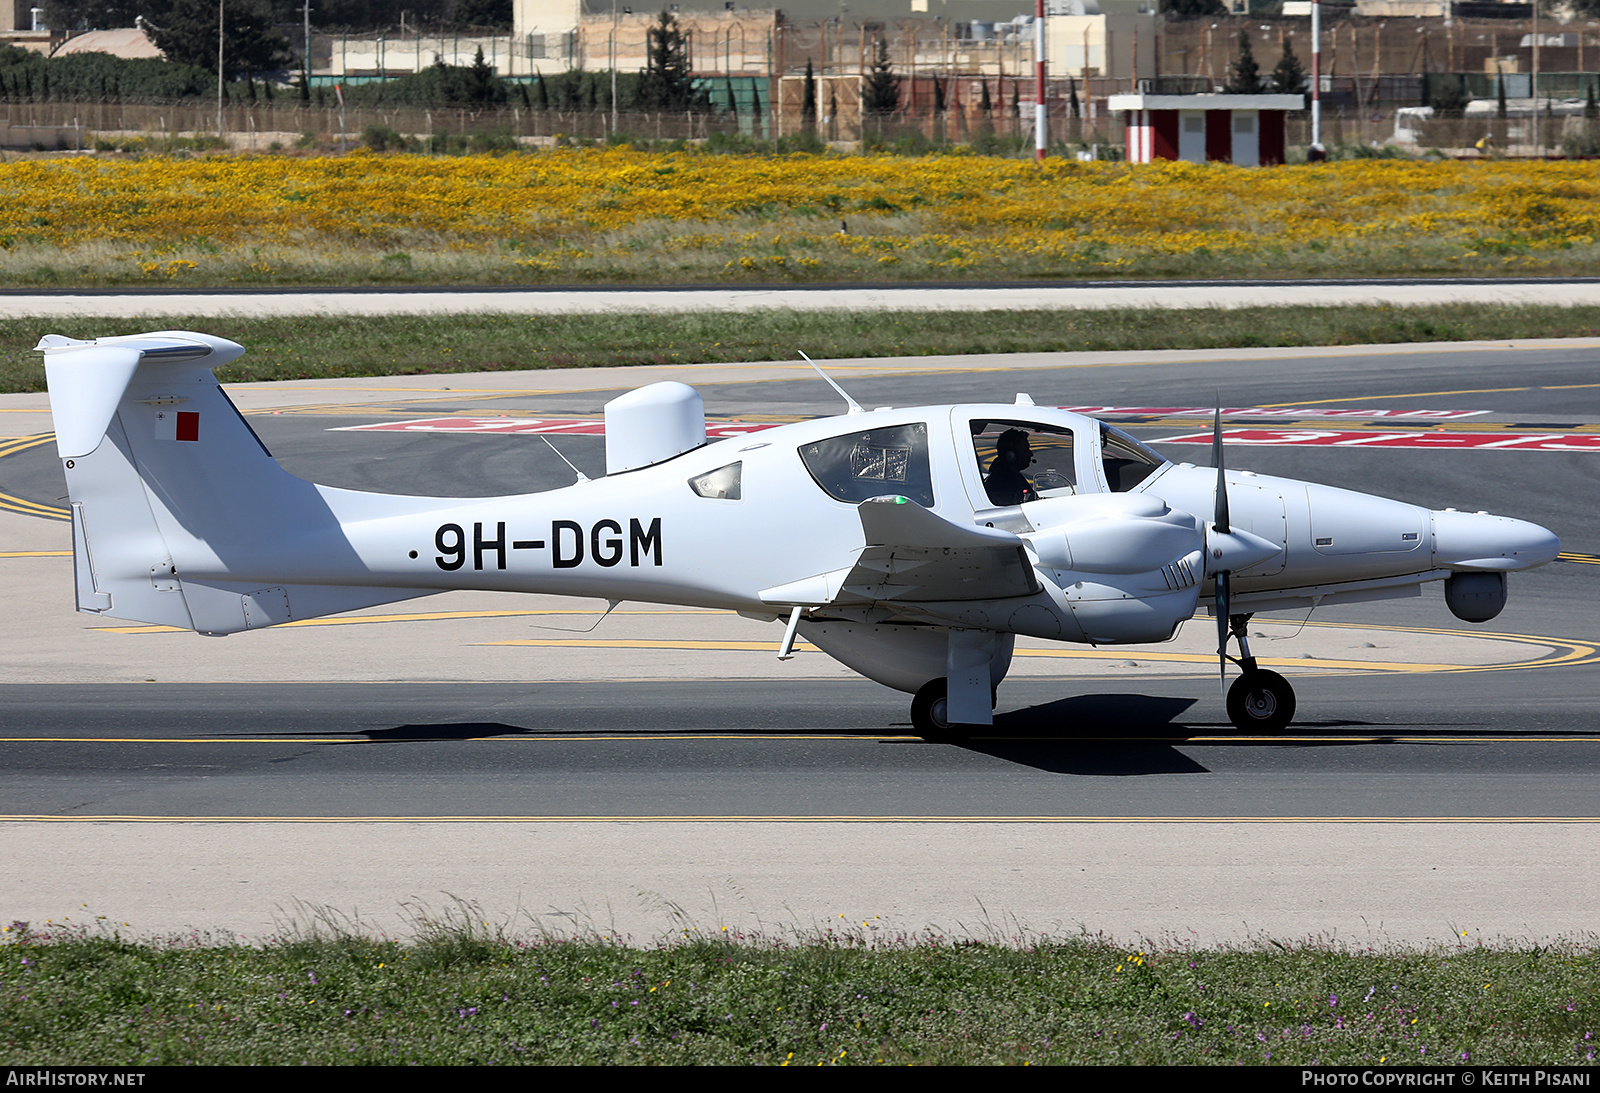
(855, 407)
(611, 605)
(581, 476)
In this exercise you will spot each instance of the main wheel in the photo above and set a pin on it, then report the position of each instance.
(930, 710)
(1261, 701)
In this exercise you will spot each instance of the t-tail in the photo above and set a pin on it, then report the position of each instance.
(180, 515)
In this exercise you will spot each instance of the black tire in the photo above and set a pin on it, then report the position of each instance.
(930, 710)
(1261, 701)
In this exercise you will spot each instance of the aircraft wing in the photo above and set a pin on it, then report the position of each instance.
(915, 556)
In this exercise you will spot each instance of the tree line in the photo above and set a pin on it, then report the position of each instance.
(356, 16)
(25, 76)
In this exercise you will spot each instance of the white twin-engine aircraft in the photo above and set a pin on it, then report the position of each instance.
(912, 545)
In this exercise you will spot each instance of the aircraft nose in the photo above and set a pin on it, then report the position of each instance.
(1477, 540)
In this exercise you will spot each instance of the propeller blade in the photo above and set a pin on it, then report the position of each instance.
(1222, 628)
(1221, 515)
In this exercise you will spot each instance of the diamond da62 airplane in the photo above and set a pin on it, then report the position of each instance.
(912, 545)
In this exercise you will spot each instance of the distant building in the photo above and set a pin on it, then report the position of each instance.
(22, 24)
(129, 43)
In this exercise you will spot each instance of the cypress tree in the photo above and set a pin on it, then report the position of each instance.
(666, 84)
(1288, 78)
(1244, 75)
(881, 95)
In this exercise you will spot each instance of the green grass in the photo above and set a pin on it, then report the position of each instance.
(469, 994)
(325, 346)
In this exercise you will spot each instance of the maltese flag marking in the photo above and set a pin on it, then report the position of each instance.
(177, 425)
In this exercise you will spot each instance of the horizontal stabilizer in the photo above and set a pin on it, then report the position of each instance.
(87, 379)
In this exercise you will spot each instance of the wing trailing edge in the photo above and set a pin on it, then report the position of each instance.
(913, 555)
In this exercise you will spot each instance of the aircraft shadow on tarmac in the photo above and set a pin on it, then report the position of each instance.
(1132, 734)
(1104, 735)
(470, 730)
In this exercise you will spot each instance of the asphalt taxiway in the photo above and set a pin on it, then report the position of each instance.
(663, 767)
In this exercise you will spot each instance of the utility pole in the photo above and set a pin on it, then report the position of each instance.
(219, 68)
(1041, 127)
(1317, 150)
(1538, 135)
(305, 71)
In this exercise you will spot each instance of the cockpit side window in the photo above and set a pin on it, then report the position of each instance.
(859, 466)
(724, 483)
(1023, 461)
(1126, 461)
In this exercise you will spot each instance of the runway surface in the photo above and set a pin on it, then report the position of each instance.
(852, 297)
(676, 740)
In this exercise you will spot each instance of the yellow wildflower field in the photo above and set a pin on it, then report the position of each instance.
(628, 216)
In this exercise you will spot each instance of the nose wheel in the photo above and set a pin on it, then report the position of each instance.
(1259, 700)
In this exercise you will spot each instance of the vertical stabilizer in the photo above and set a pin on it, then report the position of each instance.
(180, 515)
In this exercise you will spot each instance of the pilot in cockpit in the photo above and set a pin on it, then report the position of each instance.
(1006, 483)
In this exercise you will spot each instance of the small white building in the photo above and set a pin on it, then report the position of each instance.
(1247, 130)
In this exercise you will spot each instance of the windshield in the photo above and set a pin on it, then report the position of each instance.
(1126, 461)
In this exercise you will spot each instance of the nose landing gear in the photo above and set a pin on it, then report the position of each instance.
(1259, 700)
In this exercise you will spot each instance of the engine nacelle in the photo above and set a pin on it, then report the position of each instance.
(1126, 566)
(1122, 533)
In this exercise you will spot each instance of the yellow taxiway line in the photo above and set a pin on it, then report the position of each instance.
(21, 505)
(767, 738)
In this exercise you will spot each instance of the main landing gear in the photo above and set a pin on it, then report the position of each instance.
(930, 710)
(1259, 700)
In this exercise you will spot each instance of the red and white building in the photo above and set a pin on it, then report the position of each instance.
(1243, 129)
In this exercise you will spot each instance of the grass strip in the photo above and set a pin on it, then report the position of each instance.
(465, 993)
(316, 347)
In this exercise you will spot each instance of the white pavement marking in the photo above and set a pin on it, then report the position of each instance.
(909, 298)
(29, 414)
(1346, 438)
(1221, 882)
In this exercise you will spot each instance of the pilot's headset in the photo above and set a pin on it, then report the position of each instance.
(1013, 450)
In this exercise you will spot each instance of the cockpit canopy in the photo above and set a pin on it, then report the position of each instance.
(1012, 458)
(856, 467)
